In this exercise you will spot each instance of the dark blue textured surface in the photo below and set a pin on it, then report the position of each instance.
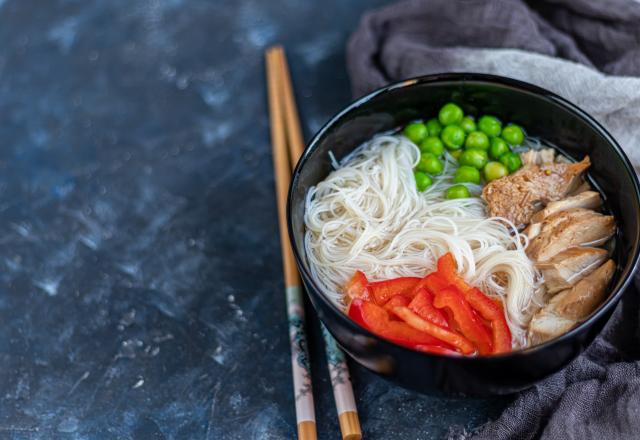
(140, 277)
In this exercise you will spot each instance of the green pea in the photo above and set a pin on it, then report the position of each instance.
(494, 170)
(490, 125)
(433, 145)
(498, 148)
(477, 139)
(433, 127)
(456, 154)
(474, 158)
(453, 136)
(468, 124)
(450, 113)
(423, 181)
(511, 161)
(416, 132)
(429, 163)
(513, 134)
(466, 174)
(458, 192)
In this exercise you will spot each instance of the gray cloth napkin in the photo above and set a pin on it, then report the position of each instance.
(587, 51)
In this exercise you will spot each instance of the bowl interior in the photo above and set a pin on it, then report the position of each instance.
(542, 113)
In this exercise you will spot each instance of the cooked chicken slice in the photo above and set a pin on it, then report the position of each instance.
(548, 155)
(532, 230)
(545, 326)
(538, 157)
(562, 159)
(583, 298)
(570, 228)
(587, 200)
(584, 186)
(529, 158)
(568, 267)
(518, 196)
(571, 306)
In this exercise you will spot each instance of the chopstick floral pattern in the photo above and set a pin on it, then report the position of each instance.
(299, 341)
(336, 359)
(296, 324)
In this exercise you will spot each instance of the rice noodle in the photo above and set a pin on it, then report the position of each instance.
(367, 215)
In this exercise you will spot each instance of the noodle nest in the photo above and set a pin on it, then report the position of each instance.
(367, 215)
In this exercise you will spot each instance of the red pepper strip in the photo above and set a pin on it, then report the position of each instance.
(422, 305)
(488, 309)
(435, 282)
(356, 287)
(422, 284)
(458, 341)
(479, 301)
(501, 336)
(381, 291)
(493, 313)
(469, 323)
(436, 350)
(447, 270)
(395, 301)
(377, 320)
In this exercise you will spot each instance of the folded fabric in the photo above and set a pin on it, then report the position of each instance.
(565, 46)
(587, 52)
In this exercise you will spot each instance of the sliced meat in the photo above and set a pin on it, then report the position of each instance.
(570, 228)
(538, 157)
(518, 196)
(578, 302)
(586, 199)
(545, 326)
(529, 158)
(568, 267)
(584, 186)
(571, 306)
(532, 230)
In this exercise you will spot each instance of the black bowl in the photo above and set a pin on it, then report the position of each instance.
(544, 114)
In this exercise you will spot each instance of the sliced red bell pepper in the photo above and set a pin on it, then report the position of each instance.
(422, 284)
(415, 321)
(448, 270)
(493, 313)
(436, 350)
(356, 287)
(501, 335)
(381, 291)
(487, 308)
(497, 302)
(432, 282)
(395, 301)
(422, 305)
(468, 322)
(377, 320)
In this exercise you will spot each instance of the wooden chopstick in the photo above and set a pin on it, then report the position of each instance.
(303, 392)
(338, 369)
(291, 118)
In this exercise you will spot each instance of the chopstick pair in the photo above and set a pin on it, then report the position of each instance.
(287, 145)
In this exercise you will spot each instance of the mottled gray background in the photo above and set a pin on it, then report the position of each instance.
(140, 281)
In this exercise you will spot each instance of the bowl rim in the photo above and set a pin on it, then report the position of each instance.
(462, 78)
